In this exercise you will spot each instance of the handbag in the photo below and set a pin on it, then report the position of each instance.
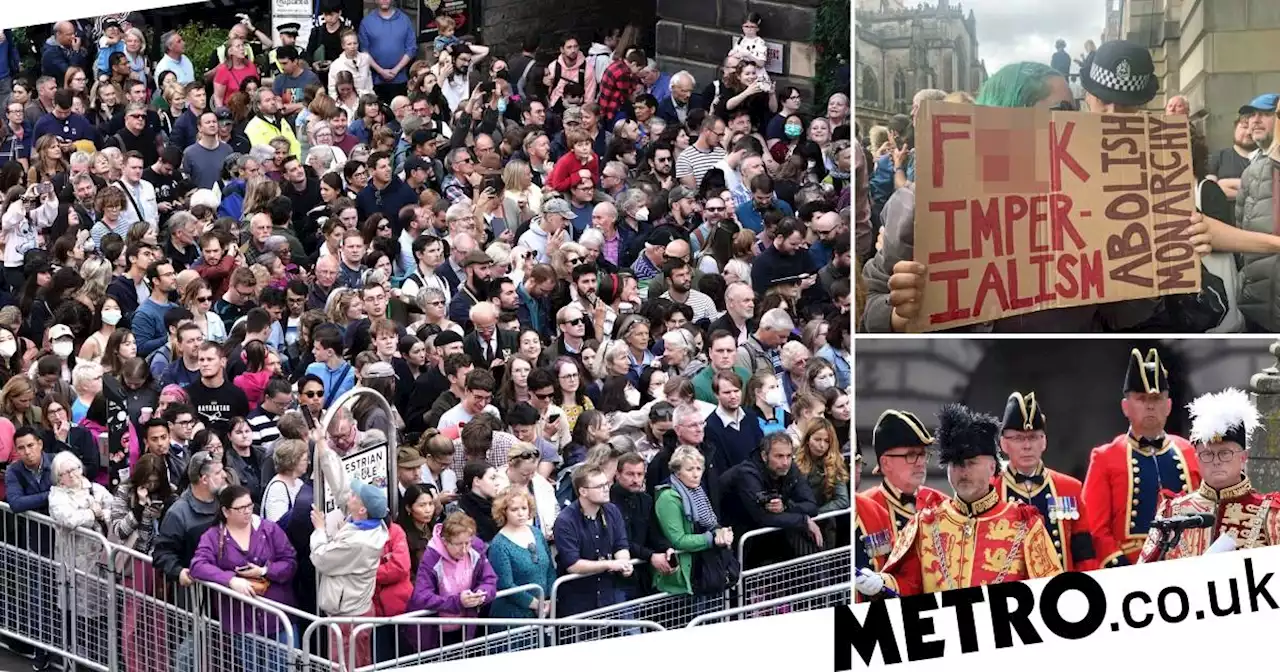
(714, 569)
(259, 584)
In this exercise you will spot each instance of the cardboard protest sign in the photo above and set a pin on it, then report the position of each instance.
(1021, 210)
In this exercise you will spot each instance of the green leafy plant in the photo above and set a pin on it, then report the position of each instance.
(831, 40)
(202, 42)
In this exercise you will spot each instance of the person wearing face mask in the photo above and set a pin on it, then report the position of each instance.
(63, 344)
(820, 375)
(96, 345)
(768, 402)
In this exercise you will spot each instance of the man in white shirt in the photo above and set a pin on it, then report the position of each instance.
(546, 228)
(475, 400)
(140, 196)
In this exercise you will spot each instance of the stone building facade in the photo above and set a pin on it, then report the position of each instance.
(1217, 53)
(695, 35)
(900, 50)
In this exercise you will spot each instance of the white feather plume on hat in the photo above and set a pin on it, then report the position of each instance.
(1218, 415)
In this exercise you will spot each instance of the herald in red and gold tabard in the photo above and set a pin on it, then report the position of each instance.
(1021, 210)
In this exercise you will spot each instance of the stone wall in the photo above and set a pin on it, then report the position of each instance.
(695, 35)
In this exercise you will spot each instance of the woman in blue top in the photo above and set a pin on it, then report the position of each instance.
(519, 556)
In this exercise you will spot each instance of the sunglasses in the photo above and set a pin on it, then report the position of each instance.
(544, 396)
(533, 550)
(577, 322)
(312, 394)
(204, 299)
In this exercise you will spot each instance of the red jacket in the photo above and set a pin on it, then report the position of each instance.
(565, 174)
(395, 586)
(1126, 486)
(874, 535)
(1054, 494)
(890, 499)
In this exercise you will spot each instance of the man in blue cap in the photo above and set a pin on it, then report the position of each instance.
(1262, 121)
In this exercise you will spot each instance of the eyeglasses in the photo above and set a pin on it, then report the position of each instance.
(568, 376)
(575, 261)
(435, 303)
(247, 508)
(533, 550)
(137, 116)
(575, 322)
(1224, 455)
(544, 395)
(312, 394)
(185, 423)
(599, 488)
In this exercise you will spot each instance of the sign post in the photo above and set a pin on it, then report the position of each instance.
(1020, 210)
(374, 465)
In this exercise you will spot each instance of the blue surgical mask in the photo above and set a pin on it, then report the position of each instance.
(792, 130)
(502, 106)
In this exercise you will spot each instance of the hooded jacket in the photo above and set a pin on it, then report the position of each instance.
(429, 591)
(347, 564)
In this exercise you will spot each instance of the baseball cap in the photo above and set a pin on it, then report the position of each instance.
(409, 458)
(558, 206)
(679, 193)
(415, 163)
(223, 114)
(475, 257)
(1265, 102)
(60, 331)
(373, 498)
(573, 114)
(448, 336)
(379, 370)
(423, 135)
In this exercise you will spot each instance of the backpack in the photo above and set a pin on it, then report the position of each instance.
(564, 485)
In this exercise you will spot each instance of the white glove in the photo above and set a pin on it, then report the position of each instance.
(1224, 544)
(868, 583)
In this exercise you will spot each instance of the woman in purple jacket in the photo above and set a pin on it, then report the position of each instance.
(454, 581)
(253, 557)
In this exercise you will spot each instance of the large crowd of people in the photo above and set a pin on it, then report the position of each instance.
(606, 304)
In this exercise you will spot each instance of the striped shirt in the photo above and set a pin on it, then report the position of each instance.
(695, 162)
(263, 425)
(704, 307)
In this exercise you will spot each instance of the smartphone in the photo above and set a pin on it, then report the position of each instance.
(44, 188)
(552, 419)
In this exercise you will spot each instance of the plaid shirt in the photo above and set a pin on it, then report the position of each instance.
(496, 457)
(615, 88)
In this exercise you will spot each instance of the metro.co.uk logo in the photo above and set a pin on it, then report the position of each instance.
(990, 618)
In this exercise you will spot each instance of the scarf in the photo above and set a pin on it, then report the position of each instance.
(697, 506)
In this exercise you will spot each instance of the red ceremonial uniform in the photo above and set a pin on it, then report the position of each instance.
(900, 505)
(1244, 514)
(874, 535)
(1058, 499)
(1127, 484)
(949, 544)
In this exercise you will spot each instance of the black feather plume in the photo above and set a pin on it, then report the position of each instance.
(963, 434)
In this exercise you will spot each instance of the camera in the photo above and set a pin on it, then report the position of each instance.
(763, 498)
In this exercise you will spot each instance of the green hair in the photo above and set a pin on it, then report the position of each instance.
(1017, 85)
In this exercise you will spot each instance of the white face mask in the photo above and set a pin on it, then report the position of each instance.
(774, 397)
(63, 349)
(8, 349)
(824, 383)
(633, 396)
(110, 317)
(642, 215)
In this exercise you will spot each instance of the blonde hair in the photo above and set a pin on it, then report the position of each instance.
(456, 524)
(683, 456)
(257, 193)
(834, 470)
(503, 502)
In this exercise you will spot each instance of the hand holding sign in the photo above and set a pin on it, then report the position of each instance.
(1023, 210)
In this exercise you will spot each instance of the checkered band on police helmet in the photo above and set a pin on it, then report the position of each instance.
(1121, 79)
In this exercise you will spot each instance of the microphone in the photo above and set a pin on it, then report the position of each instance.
(1195, 521)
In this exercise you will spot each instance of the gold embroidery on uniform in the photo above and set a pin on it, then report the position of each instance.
(1001, 530)
(994, 559)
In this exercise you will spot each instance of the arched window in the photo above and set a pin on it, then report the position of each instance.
(870, 91)
(899, 85)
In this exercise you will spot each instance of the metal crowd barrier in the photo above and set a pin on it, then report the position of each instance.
(480, 646)
(106, 607)
(834, 516)
(821, 598)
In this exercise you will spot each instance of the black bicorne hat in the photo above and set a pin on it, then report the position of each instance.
(1146, 375)
(1023, 413)
(964, 434)
(899, 429)
(1120, 72)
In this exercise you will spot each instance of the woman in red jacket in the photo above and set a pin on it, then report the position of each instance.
(568, 171)
(391, 594)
